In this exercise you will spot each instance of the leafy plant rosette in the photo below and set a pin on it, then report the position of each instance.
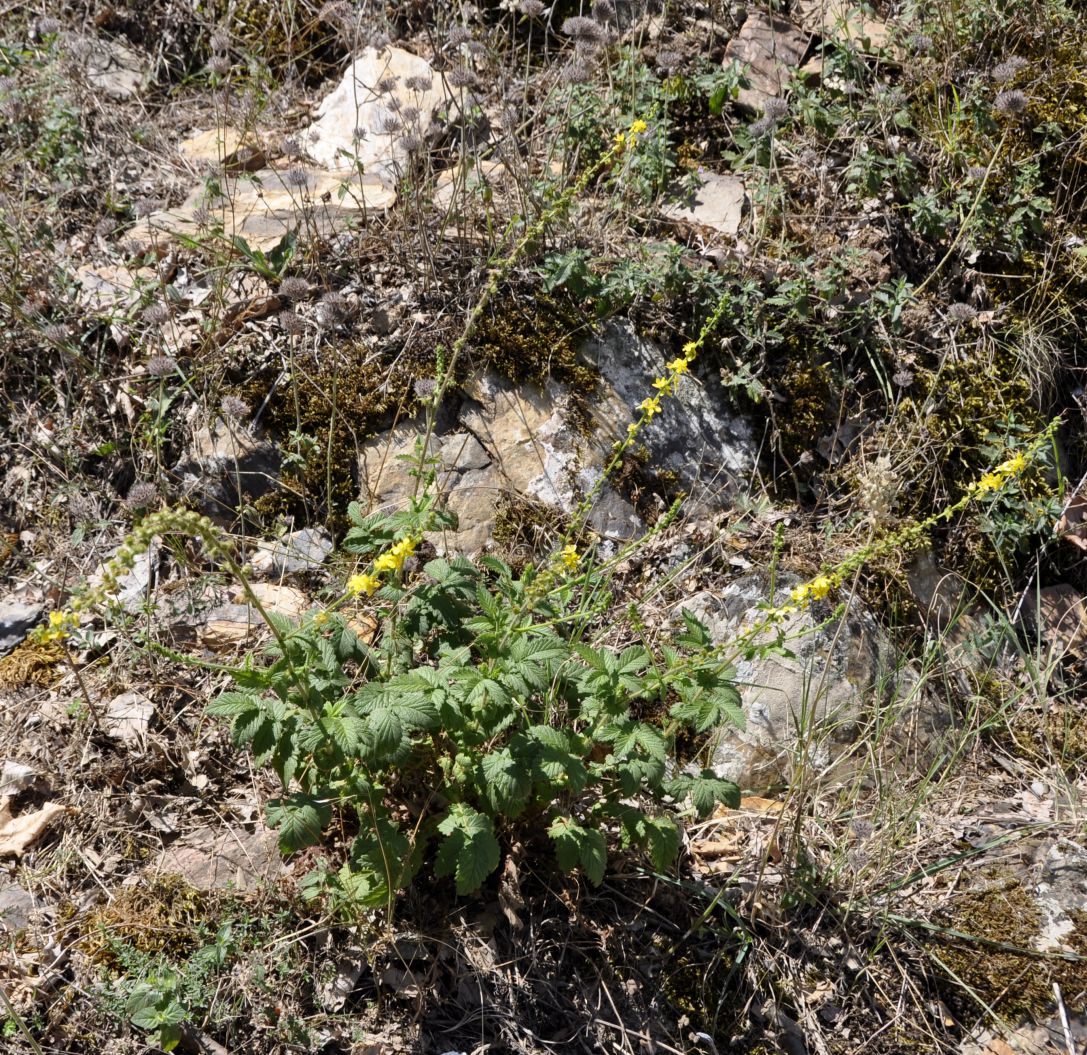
(477, 715)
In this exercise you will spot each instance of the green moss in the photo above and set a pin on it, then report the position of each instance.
(319, 418)
(1018, 986)
(810, 393)
(524, 528)
(534, 340)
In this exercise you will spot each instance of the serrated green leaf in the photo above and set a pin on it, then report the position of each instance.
(576, 846)
(469, 851)
(506, 782)
(231, 704)
(386, 731)
(300, 819)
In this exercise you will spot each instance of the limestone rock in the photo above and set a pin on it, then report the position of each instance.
(224, 465)
(16, 905)
(303, 550)
(127, 719)
(843, 20)
(698, 435)
(353, 123)
(224, 148)
(266, 206)
(216, 860)
(716, 206)
(839, 678)
(17, 619)
(768, 49)
(116, 70)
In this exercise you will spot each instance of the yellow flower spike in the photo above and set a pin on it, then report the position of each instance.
(989, 482)
(679, 366)
(638, 127)
(821, 585)
(363, 583)
(570, 556)
(1014, 465)
(56, 619)
(321, 619)
(663, 385)
(650, 407)
(632, 429)
(690, 350)
(799, 594)
(620, 140)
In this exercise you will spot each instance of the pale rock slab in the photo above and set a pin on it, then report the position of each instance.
(217, 860)
(839, 679)
(768, 49)
(350, 127)
(716, 206)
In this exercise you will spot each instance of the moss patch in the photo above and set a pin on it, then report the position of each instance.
(1017, 985)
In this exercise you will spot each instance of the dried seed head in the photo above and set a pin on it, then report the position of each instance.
(1007, 70)
(201, 216)
(48, 27)
(903, 378)
(390, 124)
(425, 387)
(763, 126)
(877, 488)
(141, 495)
(219, 65)
(156, 314)
(576, 71)
(412, 143)
(145, 206)
(219, 40)
(669, 61)
(919, 43)
(960, 313)
(294, 288)
(291, 148)
(775, 109)
(385, 85)
(291, 323)
(295, 176)
(379, 41)
(1012, 101)
(333, 311)
(462, 77)
(458, 35)
(233, 408)
(410, 113)
(418, 83)
(976, 172)
(105, 226)
(531, 8)
(581, 28)
(55, 333)
(161, 366)
(603, 11)
(336, 12)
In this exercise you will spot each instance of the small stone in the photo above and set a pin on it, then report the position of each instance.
(17, 619)
(127, 719)
(16, 906)
(718, 204)
(15, 777)
(299, 551)
(768, 50)
(217, 860)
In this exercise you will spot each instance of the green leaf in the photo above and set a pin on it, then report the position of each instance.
(576, 846)
(506, 782)
(299, 818)
(630, 737)
(706, 709)
(386, 731)
(470, 851)
(231, 704)
(558, 758)
(704, 791)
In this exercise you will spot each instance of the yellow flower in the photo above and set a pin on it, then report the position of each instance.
(320, 619)
(620, 140)
(638, 127)
(679, 366)
(664, 385)
(366, 584)
(650, 407)
(820, 586)
(1015, 464)
(989, 482)
(632, 429)
(799, 594)
(570, 556)
(393, 559)
(56, 619)
(690, 349)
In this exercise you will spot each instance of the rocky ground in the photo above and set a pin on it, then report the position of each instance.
(240, 245)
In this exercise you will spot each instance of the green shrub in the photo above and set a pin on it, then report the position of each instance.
(479, 714)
